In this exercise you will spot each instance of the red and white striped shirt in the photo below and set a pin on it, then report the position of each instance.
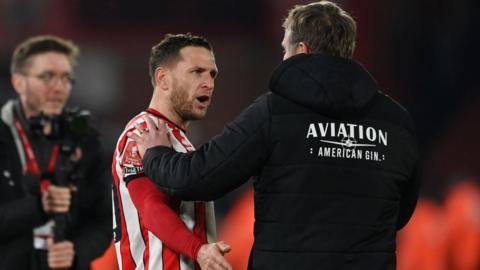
(152, 230)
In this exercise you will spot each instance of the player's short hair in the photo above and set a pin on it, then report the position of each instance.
(42, 44)
(167, 51)
(324, 27)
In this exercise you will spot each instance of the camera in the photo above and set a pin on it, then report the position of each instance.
(67, 129)
(71, 125)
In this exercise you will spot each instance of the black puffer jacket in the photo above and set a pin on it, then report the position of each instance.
(335, 161)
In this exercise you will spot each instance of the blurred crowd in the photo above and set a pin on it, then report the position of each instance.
(444, 235)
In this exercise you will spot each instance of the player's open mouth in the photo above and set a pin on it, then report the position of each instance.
(203, 99)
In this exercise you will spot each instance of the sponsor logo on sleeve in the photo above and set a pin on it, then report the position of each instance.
(131, 155)
(129, 171)
(132, 162)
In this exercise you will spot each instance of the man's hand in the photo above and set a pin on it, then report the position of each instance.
(210, 256)
(150, 136)
(60, 254)
(56, 199)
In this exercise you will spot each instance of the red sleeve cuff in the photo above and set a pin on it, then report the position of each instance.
(196, 249)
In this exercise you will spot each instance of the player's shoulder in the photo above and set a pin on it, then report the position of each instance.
(123, 139)
(137, 120)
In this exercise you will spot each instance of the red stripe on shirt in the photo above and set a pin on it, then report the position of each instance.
(127, 257)
(171, 259)
(146, 253)
(200, 224)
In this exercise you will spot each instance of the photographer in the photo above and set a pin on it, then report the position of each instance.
(55, 210)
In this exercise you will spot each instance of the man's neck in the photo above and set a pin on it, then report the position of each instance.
(163, 106)
(27, 112)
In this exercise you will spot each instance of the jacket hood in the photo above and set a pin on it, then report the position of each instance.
(328, 85)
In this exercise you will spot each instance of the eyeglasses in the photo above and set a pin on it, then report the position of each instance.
(50, 78)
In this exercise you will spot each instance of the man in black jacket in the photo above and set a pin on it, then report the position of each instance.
(52, 183)
(334, 159)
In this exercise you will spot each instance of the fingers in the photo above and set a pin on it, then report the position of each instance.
(73, 188)
(217, 265)
(139, 140)
(61, 255)
(150, 136)
(160, 136)
(163, 128)
(77, 155)
(56, 199)
(134, 136)
(140, 128)
(210, 258)
(150, 124)
(224, 247)
(50, 242)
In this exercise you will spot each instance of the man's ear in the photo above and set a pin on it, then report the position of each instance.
(162, 78)
(302, 47)
(19, 83)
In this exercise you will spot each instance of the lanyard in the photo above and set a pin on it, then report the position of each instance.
(32, 164)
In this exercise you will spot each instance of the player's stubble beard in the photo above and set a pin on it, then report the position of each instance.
(182, 104)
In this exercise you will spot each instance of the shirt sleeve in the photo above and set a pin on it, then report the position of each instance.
(155, 208)
(158, 216)
(219, 166)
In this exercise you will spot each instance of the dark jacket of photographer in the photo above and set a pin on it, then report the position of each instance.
(334, 158)
(89, 219)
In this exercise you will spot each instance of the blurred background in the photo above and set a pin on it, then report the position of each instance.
(423, 53)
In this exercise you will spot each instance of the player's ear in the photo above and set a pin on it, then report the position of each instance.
(19, 83)
(162, 78)
(302, 47)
